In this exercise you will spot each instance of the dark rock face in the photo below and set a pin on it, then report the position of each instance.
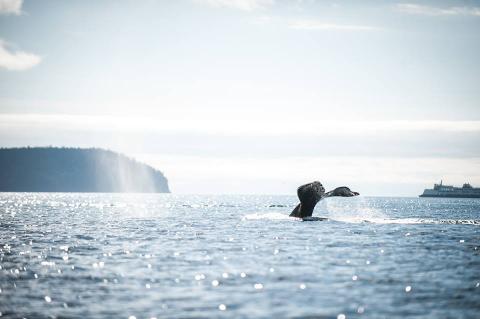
(49, 169)
(310, 194)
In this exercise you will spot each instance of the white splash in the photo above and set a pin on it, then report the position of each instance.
(353, 210)
(425, 221)
(269, 216)
(350, 210)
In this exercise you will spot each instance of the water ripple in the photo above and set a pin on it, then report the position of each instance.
(170, 256)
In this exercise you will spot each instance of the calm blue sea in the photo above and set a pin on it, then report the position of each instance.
(171, 256)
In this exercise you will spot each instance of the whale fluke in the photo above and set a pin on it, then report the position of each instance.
(343, 191)
(310, 194)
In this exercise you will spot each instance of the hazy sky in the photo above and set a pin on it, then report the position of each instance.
(251, 96)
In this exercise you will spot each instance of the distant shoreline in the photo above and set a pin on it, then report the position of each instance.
(76, 170)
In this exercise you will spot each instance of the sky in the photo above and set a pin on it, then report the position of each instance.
(251, 96)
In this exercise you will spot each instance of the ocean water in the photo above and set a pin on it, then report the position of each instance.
(171, 256)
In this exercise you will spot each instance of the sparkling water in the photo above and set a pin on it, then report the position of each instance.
(171, 256)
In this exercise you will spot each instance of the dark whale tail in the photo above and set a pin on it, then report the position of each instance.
(343, 191)
(310, 194)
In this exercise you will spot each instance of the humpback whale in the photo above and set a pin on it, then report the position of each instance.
(310, 194)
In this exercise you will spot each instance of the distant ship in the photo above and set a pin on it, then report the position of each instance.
(440, 190)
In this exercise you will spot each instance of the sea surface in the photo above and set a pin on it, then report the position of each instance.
(171, 256)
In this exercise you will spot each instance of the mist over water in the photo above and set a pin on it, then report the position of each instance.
(121, 176)
(357, 210)
(170, 256)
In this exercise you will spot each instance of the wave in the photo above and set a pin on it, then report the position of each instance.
(269, 216)
(416, 221)
(360, 219)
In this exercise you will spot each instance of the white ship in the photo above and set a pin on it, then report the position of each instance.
(440, 190)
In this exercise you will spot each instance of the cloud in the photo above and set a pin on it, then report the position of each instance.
(11, 7)
(216, 154)
(235, 126)
(317, 25)
(411, 8)
(17, 61)
(245, 5)
(379, 175)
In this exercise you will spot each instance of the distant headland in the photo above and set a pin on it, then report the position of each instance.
(54, 169)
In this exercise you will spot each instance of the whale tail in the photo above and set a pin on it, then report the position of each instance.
(309, 195)
(342, 191)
